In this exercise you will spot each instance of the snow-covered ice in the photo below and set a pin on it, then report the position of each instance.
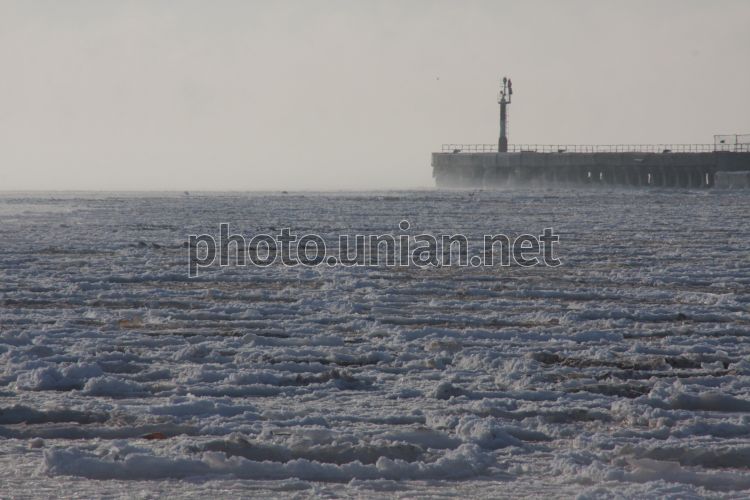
(625, 371)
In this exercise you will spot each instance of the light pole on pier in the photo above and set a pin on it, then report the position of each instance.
(504, 99)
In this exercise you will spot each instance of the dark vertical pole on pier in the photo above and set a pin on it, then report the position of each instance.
(504, 99)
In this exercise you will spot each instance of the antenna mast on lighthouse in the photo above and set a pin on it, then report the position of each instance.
(504, 99)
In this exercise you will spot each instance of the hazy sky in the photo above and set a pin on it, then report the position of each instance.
(243, 95)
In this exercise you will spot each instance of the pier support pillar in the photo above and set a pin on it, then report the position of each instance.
(634, 176)
(586, 176)
(702, 177)
(642, 174)
(627, 176)
(656, 177)
(684, 177)
(580, 176)
(666, 179)
(695, 178)
(615, 176)
(670, 177)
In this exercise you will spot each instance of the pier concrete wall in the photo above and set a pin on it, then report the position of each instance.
(733, 180)
(486, 170)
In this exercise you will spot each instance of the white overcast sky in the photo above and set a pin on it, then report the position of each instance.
(243, 95)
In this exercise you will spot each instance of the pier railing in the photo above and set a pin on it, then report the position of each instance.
(600, 148)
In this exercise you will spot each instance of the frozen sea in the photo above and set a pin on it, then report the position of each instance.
(625, 372)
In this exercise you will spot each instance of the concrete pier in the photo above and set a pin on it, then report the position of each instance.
(667, 169)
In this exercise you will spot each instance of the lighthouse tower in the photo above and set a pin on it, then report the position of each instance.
(503, 99)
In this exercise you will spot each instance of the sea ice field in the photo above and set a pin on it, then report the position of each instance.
(622, 373)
